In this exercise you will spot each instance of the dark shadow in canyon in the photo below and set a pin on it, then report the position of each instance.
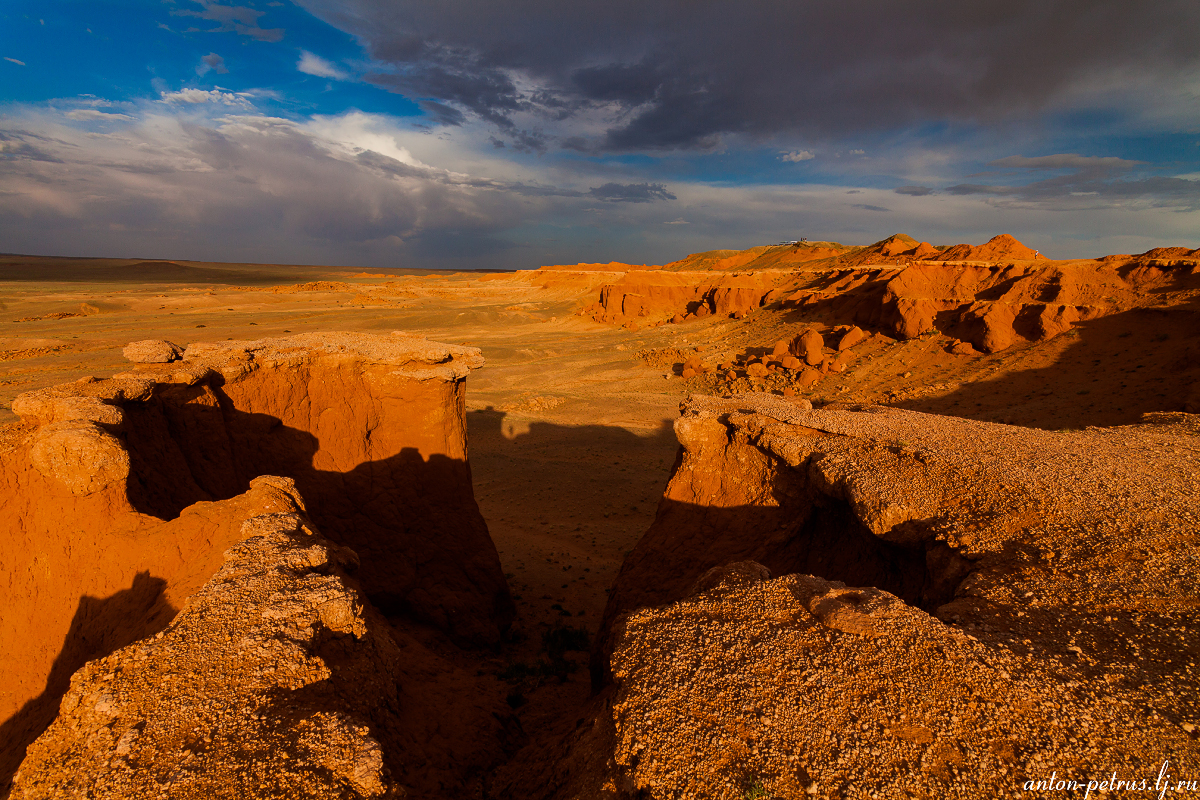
(566, 503)
(99, 627)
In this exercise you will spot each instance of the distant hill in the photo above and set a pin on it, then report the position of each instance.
(125, 270)
(899, 248)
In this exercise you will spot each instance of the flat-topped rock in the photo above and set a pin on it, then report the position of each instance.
(152, 351)
(424, 359)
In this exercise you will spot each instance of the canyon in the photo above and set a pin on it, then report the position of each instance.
(797, 521)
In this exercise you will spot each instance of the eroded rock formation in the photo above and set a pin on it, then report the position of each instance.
(277, 679)
(993, 296)
(119, 495)
(231, 699)
(660, 296)
(957, 608)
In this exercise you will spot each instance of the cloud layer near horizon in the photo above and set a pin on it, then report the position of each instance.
(204, 176)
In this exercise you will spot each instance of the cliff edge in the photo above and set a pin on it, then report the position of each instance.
(120, 494)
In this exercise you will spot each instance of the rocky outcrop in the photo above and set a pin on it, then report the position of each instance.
(119, 495)
(926, 606)
(661, 295)
(999, 248)
(276, 679)
(903, 249)
(995, 295)
(227, 700)
(152, 351)
(734, 498)
(801, 687)
(992, 307)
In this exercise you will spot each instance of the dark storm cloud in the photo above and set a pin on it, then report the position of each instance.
(487, 92)
(631, 192)
(240, 19)
(914, 191)
(441, 113)
(866, 207)
(1087, 181)
(676, 74)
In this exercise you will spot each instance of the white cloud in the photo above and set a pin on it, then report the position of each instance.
(858, 152)
(245, 185)
(15, 61)
(312, 64)
(357, 132)
(217, 96)
(85, 114)
(202, 175)
(798, 155)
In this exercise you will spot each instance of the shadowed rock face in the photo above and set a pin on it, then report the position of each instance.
(150, 473)
(752, 483)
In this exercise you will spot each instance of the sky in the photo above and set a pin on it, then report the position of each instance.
(464, 134)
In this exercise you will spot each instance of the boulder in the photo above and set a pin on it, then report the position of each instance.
(809, 378)
(990, 325)
(851, 338)
(807, 346)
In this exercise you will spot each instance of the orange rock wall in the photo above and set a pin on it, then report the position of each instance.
(118, 497)
(991, 305)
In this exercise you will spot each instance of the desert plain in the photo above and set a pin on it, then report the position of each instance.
(803, 520)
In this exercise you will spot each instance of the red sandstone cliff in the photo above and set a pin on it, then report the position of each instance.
(119, 495)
